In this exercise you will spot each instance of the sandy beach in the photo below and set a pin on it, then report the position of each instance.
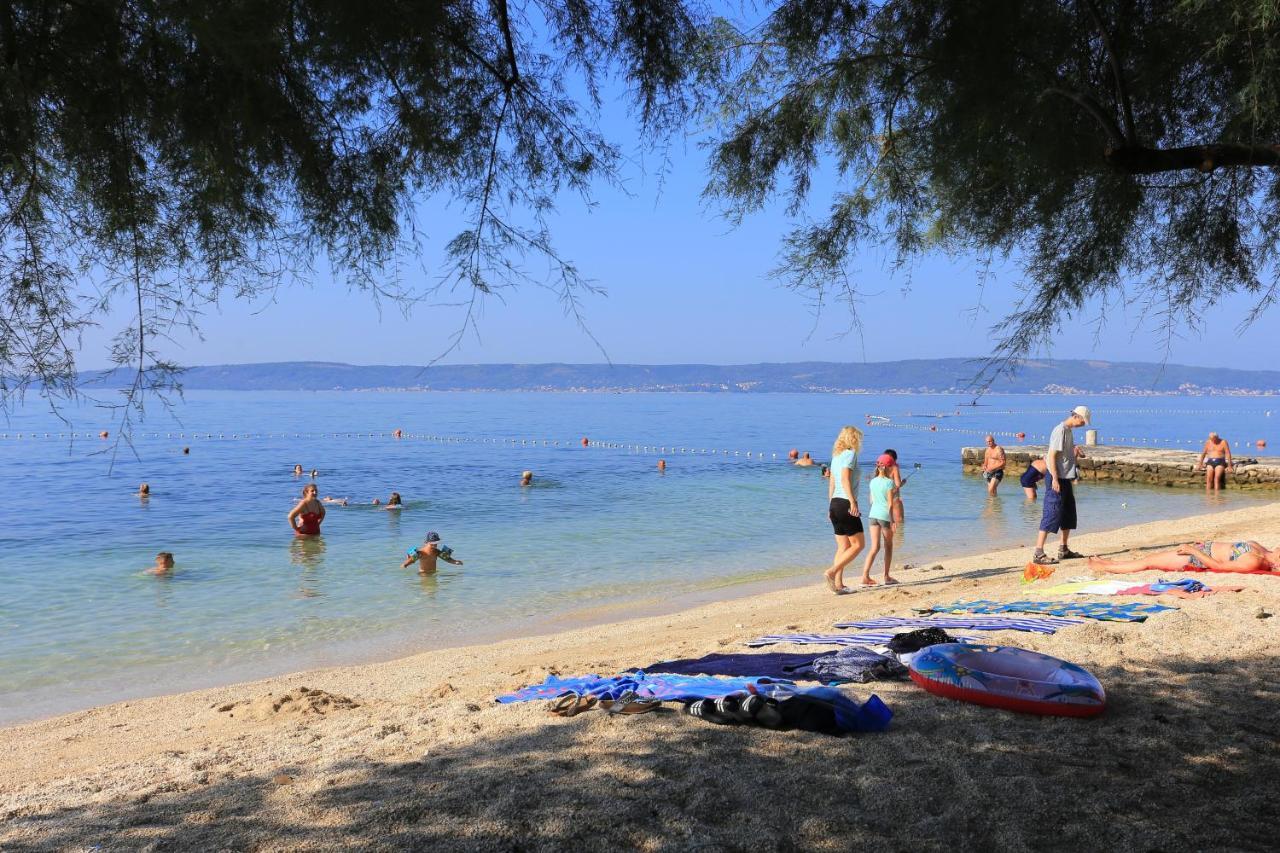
(414, 753)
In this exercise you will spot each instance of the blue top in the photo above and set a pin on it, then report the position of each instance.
(880, 488)
(844, 459)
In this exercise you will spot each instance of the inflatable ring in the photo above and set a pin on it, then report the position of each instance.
(1010, 678)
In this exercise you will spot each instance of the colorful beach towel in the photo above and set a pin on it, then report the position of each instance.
(869, 638)
(1184, 588)
(779, 665)
(678, 688)
(1104, 611)
(1036, 625)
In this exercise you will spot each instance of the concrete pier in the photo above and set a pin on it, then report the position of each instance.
(1174, 468)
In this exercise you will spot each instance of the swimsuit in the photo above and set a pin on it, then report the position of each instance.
(310, 525)
(1216, 460)
(1031, 477)
(1238, 550)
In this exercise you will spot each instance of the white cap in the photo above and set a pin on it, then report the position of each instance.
(1082, 411)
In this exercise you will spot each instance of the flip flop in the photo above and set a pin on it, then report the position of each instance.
(563, 704)
(631, 702)
(705, 709)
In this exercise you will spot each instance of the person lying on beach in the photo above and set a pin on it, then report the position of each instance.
(1219, 556)
(331, 500)
(426, 554)
(164, 564)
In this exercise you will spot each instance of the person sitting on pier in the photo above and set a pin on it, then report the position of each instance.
(1215, 459)
(1243, 557)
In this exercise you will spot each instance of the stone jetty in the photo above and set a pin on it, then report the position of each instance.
(1174, 468)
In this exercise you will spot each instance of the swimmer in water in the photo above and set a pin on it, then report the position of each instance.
(662, 465)
(305, 518)
(526, 479)
(393, 502)
(804, 461)
(164, 564)
(297, 470)
(144, 491)
(330, 500)
(314, 473)
(426, 554)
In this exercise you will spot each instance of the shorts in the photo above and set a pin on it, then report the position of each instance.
(1059, 507)
(841, 522)
(1217, 460)
(996, 475)
(881, 522)
(1030, 478)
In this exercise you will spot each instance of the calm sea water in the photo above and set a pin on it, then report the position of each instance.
(81, 623)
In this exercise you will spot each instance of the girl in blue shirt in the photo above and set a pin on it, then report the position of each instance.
(883, 492)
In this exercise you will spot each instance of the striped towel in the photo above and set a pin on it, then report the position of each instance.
(1089, 610)
(1034, 624)
(868, 638)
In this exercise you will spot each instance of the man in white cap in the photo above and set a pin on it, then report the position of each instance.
(1059, 498)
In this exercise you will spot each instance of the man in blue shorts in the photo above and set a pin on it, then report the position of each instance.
(1059, 495)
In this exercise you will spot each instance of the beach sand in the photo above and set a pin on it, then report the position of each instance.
(414, 753)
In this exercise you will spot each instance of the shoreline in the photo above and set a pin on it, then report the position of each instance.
(413, 751)
(392, 645)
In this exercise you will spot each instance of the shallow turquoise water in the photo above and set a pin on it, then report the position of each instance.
(82, 624)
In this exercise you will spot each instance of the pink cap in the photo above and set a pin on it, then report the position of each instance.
(884, 460)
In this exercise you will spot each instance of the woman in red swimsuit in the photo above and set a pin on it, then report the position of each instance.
(305, 518)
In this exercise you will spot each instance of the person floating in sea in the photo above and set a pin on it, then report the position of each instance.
(1215, 461)
(394, 501)
(993, 465)
(662, 465)
(804, 461)
(331, 500)
(1061, 473)
(526, 479)
(1031, 477)
(144, 491)
(426, 554)
(297, 470)
(842, 506)
(305, 518)
(1209, 556)
(882, 492)
(164, 564)
(826, 472)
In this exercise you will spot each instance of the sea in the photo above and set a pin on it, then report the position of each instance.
(602, 534)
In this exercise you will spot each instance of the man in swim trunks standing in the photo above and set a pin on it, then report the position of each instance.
(993, 465)
(1215, 459)
(1059, 498)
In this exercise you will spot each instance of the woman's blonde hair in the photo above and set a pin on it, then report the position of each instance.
(850, 438)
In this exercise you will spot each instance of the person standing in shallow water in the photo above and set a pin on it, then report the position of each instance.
(842, 506)
(1061, 473)
(1215, 461)
(306, 516)
(993, 463)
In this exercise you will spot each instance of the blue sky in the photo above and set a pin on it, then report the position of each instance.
(682, 286)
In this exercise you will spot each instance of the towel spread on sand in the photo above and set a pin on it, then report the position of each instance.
(1036, 625)
(1103, 611)
(679, 688)
(1089, 587)
(1184, 588)
(868, 638)
(779, 665)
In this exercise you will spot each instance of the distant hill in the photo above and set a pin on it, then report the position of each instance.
(918, 375)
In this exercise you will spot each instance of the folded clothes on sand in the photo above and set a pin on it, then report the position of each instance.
(1104, 611)
(857, 664)
(913, 641)
(814, 709)
(681, 688)
(1184, 588)
(866, 638)
(1036, 625)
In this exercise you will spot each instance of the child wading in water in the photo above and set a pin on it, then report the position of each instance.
(426, 554)
(883, 492)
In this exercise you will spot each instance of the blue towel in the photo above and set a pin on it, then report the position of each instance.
(781, 665)
(1186, 585)
(867, 638)
(679, 688)
(1105, 611)
(1036, 625)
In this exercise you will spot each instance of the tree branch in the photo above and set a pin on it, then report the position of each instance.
(1093, 108)
(1122, 92)
(1140, 160)
(504, 21)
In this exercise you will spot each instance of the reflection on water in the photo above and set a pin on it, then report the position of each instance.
(307, 551)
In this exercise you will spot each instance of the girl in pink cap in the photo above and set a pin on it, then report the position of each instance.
(883, 490)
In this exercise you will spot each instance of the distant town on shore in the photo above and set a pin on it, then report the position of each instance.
(918, 376)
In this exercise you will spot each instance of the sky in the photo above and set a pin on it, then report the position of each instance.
(681, 286)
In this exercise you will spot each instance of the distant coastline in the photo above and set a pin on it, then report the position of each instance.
(917, 376)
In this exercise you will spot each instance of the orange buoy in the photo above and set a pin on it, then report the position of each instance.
(399, 433)
(585, 441)
(933, 429)
(103, 434)
(1262, 442)
(1020, 435)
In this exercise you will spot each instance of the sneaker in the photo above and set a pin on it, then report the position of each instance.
(1068, 554)
(1043, 559)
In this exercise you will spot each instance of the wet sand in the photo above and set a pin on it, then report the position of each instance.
(415, 753)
